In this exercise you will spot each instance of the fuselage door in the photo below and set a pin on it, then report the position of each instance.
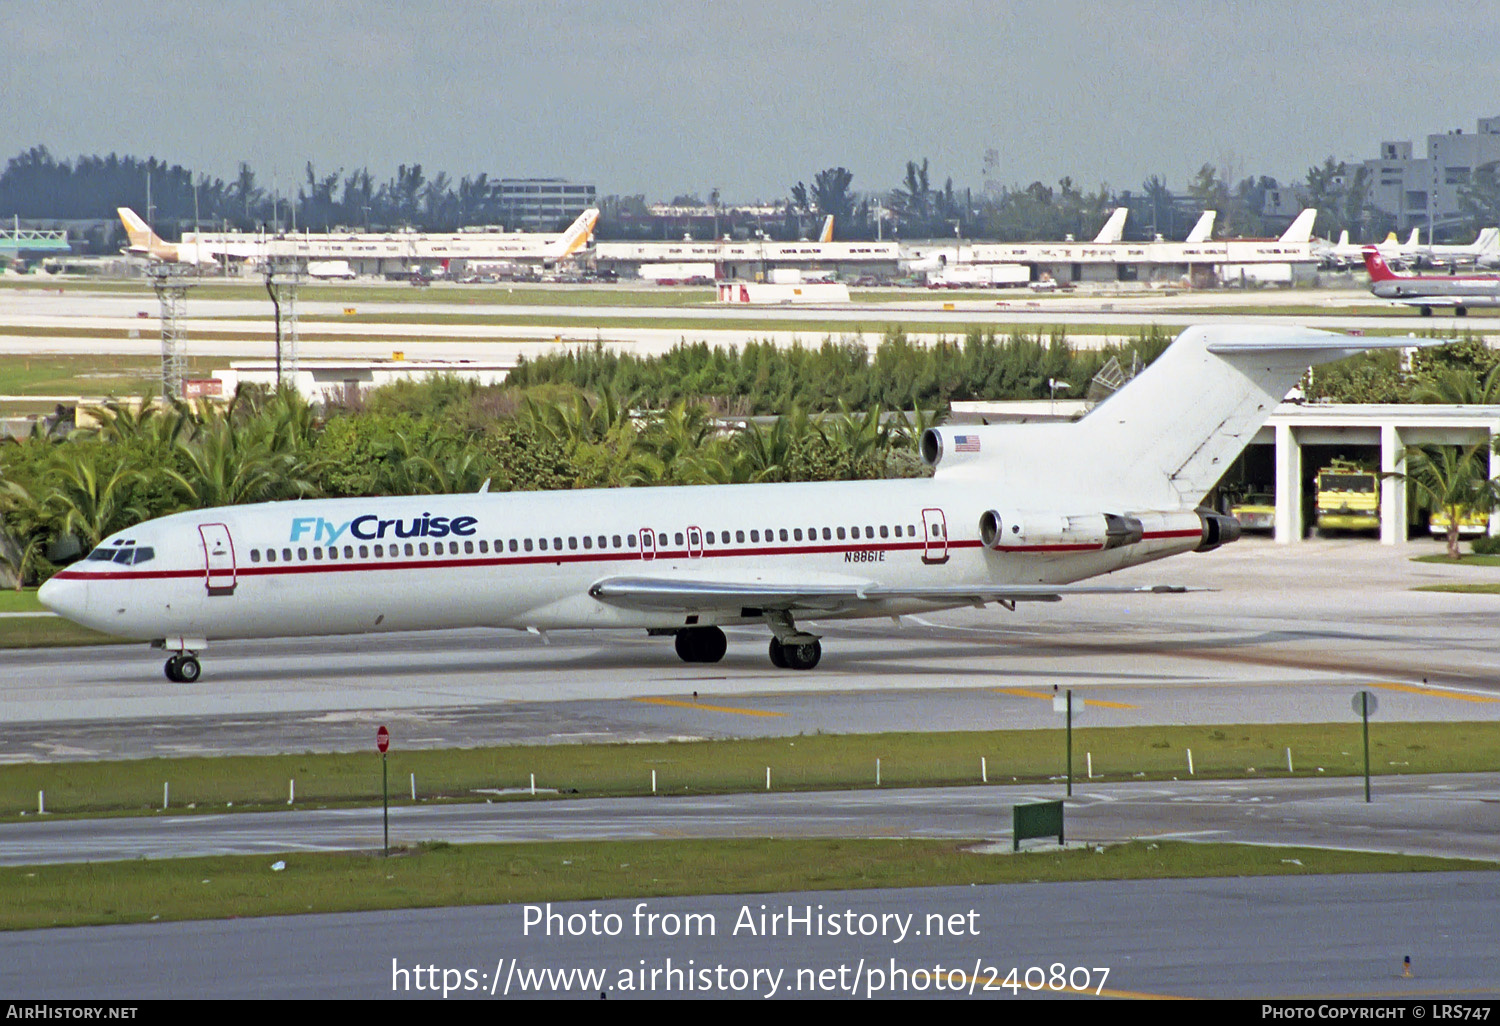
(935, 528)
(648, 543)
(695, 542)
(218, 557)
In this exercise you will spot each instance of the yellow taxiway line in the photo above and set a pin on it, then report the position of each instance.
(680, 704)
(1026, 693)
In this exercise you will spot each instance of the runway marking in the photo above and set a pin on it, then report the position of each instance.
(1025, 693)
(679, 703)
(1413, 689)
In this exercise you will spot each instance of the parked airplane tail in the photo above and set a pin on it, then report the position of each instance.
(1168, 436)
(1415, 239)
(577, 236)
(1204, 229)
(1488, 240)
(1344, 238)
(1114, 228)
(142, 238)
(826, 235)
(1302, 228)
(1376, 265)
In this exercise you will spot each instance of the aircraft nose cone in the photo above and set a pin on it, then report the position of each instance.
(65, 598)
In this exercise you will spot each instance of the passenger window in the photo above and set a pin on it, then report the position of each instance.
(542, 543)
(557, 544)
(379, 551)
(301, 553)
(469, 547)
(827, 534)
(364, 552)
(270, 555)
(513, 545)
(708, 537)
(588, 542)
(572, 542)
(869, 531)
(603, 542)
(317, 552)
(885, 532)
(677, 538)
(255, 555)
(739, 536)
(911, 529)
(410, 551)
(527, 543)
(797, 534)
(615, 541)
(631, 539)
(898, 530)
(783, 534)
(422, 548)
(755, 536)
(841, 534)
(484, 545)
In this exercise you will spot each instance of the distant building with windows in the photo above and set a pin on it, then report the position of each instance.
(1422, 191)
(543, 204)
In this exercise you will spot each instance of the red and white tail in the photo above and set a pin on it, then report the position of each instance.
(1375, 264)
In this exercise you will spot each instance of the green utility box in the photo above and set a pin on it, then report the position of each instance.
(1041, 819)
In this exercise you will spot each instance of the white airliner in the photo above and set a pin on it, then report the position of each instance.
(1013, 513)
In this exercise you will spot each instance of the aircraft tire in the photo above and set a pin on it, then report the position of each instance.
(188, 669)
(1426, 311)
(1461, 311)
(804, 657)
(778, 655)
(171, 671)
(701, 644)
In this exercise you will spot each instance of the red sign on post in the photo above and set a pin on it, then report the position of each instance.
(382, 739)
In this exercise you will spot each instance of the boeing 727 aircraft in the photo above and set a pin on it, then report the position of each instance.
(1426, 291)
(1013, 513)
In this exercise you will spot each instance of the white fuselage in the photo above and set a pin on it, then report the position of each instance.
(529, 559)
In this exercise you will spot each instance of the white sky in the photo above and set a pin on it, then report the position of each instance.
(665, 97)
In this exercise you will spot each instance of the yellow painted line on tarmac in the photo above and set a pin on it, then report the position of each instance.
(1412, 689)
(1025, 693)
(680, 704)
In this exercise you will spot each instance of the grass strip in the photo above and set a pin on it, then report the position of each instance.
(433, 875)
(1467, 559)
(1462, 589)
(48, 632)
(805, 762)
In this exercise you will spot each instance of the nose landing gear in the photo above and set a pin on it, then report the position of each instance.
(184, 668)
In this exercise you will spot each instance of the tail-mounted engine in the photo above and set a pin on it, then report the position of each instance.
(1057, 532)
(1218, 529)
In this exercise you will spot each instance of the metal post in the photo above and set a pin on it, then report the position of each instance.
(385, 804)
(1364, 709)
(1070, 742)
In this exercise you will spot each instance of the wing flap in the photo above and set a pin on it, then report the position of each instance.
(685, 594)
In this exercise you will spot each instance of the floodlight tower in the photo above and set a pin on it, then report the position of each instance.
(171, 291)
(282, 286)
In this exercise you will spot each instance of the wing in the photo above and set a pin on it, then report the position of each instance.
(832, 595)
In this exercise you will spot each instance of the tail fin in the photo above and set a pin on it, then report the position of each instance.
(1204, 229)
(1168, 436)
(1488, 240)
(1302, 228)
(1375, 264)
(1114, 228)
(1344, 239)
(142, 238)
(826, 235)
(577, 236)
(1416, 238)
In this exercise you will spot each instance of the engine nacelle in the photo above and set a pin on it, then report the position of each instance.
(950, 446)
(1218, 529)
(1057, 532)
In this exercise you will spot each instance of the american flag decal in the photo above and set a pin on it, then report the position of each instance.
(965, 443)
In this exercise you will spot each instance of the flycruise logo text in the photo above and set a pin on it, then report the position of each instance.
(371, 527)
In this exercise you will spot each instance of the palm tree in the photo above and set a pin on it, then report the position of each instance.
(1456, 482)
(91, 499)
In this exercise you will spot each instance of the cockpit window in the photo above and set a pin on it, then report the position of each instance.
(123, 553)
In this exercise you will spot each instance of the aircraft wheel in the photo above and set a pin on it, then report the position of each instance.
(1461, 311)
(701, 644)
(1426, 311)
(189, 669)
(171, 670)
(778, 655)
(804, 657)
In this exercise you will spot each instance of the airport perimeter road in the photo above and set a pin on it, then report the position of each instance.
(1449, 815)
(1262, 937)
(1288, 635)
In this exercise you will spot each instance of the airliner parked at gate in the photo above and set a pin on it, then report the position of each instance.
(1013, 513)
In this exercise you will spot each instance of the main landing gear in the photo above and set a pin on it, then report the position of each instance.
(701, 644)
(791, 648)
(184, 668)
(795, 657)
